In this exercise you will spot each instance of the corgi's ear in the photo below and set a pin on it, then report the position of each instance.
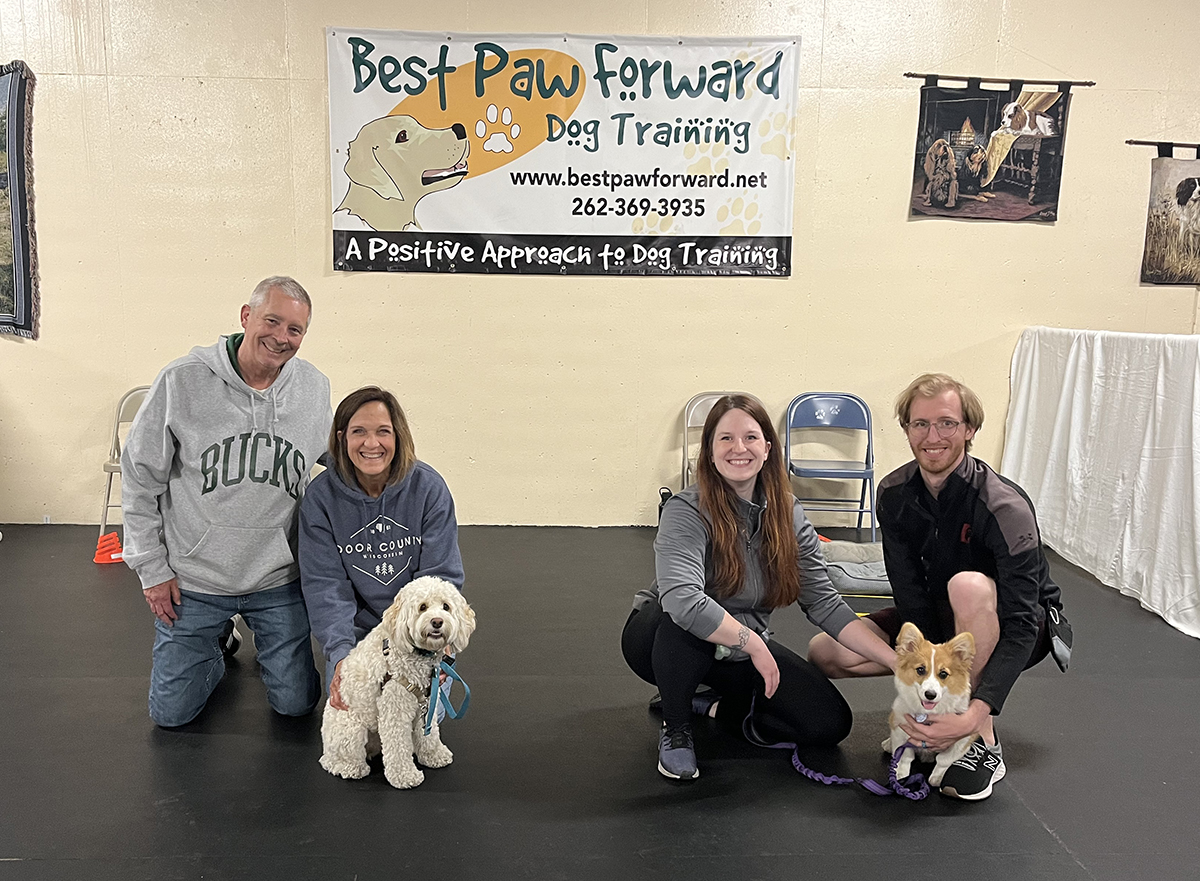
(909, 636)
(963, 647)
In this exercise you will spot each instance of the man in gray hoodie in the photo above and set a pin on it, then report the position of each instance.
(213, 471)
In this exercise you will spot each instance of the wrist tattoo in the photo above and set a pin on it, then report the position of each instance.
(743, 638)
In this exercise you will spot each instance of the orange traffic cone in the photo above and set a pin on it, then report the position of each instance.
(108, 549)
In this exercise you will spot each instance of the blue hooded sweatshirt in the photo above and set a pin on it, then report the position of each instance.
(356, 552)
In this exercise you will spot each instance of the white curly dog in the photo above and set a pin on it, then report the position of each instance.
(386, 683)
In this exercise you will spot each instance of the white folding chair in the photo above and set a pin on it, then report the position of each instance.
(694, 413)
(127, 408)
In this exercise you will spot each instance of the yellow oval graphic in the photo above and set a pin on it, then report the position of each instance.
(510, 118)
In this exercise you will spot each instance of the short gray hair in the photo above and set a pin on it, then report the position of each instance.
(286, 285)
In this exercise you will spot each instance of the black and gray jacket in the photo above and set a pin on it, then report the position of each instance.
(980, 522)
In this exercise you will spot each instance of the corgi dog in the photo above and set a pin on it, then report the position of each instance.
(930, 679)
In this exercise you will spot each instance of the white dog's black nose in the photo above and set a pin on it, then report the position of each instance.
(930, 695)
(459, 131)
(436, 623)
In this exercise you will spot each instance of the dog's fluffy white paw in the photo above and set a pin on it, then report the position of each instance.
(437, 756)
(404, 778)
(348, 770)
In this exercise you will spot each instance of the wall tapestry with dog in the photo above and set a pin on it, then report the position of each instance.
(1172, 254)
(18, 253)
(990, 154)
(559, 154)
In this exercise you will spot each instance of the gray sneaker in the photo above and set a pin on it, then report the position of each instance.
(676, 755)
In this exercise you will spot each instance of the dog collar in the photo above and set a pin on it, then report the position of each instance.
(424, 653)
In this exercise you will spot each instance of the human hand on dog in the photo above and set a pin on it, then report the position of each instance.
(940, 731)
(335, 689)
(162, 599)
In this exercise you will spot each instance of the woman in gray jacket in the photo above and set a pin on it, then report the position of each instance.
(730, 550)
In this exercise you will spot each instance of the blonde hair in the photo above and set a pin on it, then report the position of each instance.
(930, 385)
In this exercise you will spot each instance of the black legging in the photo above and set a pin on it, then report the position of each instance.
(806, 707)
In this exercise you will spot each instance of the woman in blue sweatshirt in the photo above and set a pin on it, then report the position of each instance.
(374, 520)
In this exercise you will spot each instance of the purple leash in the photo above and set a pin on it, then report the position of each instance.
(912, 787)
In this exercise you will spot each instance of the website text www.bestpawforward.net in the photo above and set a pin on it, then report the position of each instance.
(640, 192)
(616, 180)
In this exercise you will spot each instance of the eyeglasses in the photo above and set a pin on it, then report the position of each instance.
(944, 427)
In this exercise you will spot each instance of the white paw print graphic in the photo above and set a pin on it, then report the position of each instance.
(497, 141)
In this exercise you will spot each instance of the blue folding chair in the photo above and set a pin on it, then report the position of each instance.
(845, 414)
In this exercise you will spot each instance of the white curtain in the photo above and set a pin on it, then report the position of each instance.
(1103, 433)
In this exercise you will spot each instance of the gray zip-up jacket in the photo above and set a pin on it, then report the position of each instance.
(213, 471)
(684, 572)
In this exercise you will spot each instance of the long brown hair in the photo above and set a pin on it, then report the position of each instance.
(780, 561)
(405, 454)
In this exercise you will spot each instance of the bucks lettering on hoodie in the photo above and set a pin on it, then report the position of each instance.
(213, 472)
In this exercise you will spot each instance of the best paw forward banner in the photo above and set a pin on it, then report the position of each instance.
(562, 155)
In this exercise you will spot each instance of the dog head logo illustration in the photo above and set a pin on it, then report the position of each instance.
(394, 162)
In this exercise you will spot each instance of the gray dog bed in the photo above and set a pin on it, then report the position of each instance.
(857, 568)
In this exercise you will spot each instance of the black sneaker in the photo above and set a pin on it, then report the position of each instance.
(972, 776)
(229, 640)
(703, 701)
(676, 754)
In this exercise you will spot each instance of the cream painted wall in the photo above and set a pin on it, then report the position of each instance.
(181, 155)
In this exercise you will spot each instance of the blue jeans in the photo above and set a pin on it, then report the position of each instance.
(187, 656)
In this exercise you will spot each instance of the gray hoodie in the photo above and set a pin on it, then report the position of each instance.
(213, 471)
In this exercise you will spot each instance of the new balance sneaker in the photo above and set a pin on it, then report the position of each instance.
(676, 754)
(972, 776)
(230, 640)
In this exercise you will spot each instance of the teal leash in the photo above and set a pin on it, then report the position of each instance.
(447, 704)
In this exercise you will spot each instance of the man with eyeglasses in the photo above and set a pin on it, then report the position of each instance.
(963, 552)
